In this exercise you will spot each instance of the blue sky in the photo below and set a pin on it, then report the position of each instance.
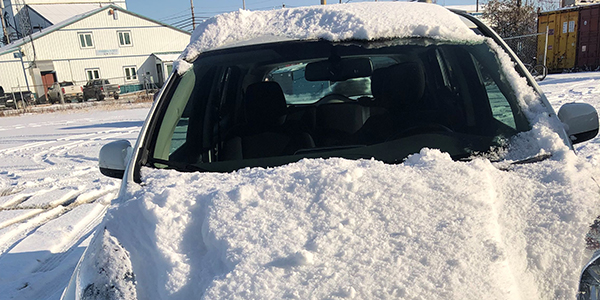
(170, 11)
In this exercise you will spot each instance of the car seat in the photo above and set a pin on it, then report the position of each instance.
(265, 133)
(398, 92)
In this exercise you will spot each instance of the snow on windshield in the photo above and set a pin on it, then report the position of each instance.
(356, 21)
(430, 228)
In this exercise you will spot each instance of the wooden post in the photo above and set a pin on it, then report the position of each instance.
(193, 18)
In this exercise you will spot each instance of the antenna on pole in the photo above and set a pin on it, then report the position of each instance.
(193, 18)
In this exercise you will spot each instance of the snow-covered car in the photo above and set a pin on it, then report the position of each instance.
(369, 150)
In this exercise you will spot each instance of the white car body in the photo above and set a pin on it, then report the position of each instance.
(120, 157)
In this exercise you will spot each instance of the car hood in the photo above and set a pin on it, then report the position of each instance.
(429, 228)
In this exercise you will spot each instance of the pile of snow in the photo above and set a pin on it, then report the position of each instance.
(356, 21)
(430, 228)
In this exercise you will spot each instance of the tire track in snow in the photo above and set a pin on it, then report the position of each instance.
(24, 147)
(55, 256)
(45, 155)
(66, 249)
(21, 229)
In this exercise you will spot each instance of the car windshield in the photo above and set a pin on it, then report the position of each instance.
(271, 104)
(65, 83)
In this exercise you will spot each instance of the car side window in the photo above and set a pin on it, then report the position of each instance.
(501, 109)
(174, 126)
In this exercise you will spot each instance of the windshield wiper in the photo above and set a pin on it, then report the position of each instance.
(529, 160)
(176, 165)
(326, 149)
(532, 159)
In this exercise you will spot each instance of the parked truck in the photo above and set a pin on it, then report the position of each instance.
(69, 90)
(15, 100)
(99, 89)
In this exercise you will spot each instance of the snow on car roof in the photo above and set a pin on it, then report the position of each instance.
(356, 21)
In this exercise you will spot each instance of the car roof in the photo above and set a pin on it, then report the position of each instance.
(340, 22)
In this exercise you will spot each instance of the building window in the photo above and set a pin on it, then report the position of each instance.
(85, 40)
(124, 38)
(92, 73)
(130, 73)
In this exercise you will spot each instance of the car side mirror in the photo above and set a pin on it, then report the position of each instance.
(114, 157)
(581, 120)
(589, 281)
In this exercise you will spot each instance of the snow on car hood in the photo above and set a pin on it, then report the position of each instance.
(356, 21)
(429, 228)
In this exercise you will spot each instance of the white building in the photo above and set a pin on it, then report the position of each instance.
(107, 42)
(24, 16)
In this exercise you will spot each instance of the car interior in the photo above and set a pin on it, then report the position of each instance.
(271, 104)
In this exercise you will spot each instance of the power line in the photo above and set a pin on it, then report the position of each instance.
(176, 18)
(177, 13)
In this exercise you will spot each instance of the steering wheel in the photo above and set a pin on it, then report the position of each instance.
(420, 128)
(333, 98)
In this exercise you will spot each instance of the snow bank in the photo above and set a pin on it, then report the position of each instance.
(429, 228)
(356, 21)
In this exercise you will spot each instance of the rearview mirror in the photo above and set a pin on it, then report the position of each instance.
(581, 120)
(114, 157)
(340, 70)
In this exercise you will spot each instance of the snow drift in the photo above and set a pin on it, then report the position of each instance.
(336, 228)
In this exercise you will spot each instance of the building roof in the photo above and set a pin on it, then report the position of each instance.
(470, 8)
(13, 46)
(167, 57)
(56, 13)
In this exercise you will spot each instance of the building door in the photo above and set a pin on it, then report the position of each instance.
(48, 78)
(159, 74)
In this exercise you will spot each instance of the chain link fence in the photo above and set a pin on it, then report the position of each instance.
(525, 46)
(13, 96)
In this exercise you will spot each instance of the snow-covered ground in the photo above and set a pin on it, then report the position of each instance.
(52, 196)
(577, 87)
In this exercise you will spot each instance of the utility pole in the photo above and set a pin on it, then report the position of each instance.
(323, 2)
(4, 31)
(244, 4)
(193, 18)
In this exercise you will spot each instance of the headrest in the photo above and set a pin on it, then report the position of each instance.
(265, 103)
(398, 85)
